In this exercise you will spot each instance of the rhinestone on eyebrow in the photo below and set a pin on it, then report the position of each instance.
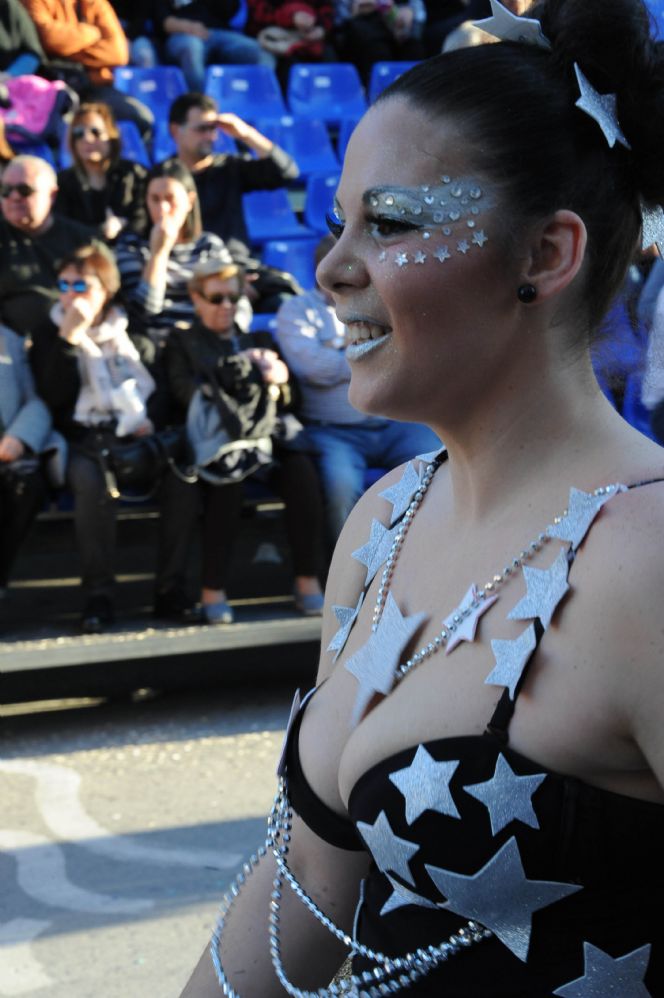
(426, 234)
(456, 191)
(374, 201)
(447, 230)
(425, 188)
(389, 199)
(417, 210)
(475, 193)
(445, 179)
(438, 216)
(429, 199)
(471, 223)
(455, 215)
(475, 210)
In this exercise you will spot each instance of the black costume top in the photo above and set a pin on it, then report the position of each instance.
(569, 877)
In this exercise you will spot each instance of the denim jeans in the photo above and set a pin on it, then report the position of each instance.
(346, 451)
(193, 54)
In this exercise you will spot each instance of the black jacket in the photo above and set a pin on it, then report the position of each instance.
(124, 194)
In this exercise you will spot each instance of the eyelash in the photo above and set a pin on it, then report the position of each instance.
(334, 224)
(394, 226)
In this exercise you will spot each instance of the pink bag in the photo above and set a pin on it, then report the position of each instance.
(36, 109)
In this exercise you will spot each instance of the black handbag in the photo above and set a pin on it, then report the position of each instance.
(133, 466)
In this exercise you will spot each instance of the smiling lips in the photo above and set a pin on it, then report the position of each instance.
(359, 332)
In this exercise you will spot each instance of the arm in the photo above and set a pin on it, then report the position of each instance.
(302, 340)
(59, 36)
(112, 49)
(31, 423)
(273, 169)
(182, 380)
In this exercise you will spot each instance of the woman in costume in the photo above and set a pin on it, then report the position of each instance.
(470, 804)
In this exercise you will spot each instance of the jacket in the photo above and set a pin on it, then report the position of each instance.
(95, 39)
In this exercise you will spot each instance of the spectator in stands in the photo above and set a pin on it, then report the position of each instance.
(32, 239)
(312, 341)
(20, 49)
(84, 366)
(89, 33)
(293, 31)
(198, 356)
(222, 178)
(25, 424)
(100, 188)
(199, 32)
(6, 152)
(137, 23)
(370, 31)
(155, 271)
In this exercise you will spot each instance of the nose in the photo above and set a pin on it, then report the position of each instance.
(341, 268)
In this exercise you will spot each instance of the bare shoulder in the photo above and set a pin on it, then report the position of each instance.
(347, 576)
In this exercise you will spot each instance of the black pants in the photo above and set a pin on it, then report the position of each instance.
(294, 478)
(21, 498)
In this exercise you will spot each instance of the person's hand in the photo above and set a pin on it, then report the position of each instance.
(146, 429)
(112, 225)
(11, 448)
(234, 126)
(303, 20)
(271, 366)
(76, 321)
(164, 234)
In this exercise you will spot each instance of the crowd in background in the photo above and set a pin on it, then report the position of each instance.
(128, 296)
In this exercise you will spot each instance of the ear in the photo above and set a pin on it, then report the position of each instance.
(174, 130)
(556, 255)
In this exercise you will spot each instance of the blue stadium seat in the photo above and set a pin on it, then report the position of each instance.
(248, 91)
(296, 256)
(329, 91)
(157, 88)
(346, 128)
(308, 142)
(321, 188)
(268, 215)
(40, 149)
(133, 146)
(384, 73)
(263, 322)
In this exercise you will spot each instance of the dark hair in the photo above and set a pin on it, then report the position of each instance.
(110, 124)
(95, 258)
(174, 169)
(183, 104)
(515, 105)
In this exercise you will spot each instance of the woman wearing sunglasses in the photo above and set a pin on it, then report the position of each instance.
(91, 375)
(100, 188)
(215, 292)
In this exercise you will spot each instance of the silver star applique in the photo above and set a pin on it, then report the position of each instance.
(442, 254)
(462, 246)
(425, 784)
(480, 238)
(375, 663)
(464, 629)
(582, 508)
(507, 797)
(382, 256)
(511, 657)
(346, 616)
(388, 850)
(401, 493)
(401, 259)
(500, 897)
(401, 896)
(375, 551)
(600, 107)
(420, 257)
(545, 589)
(509, 27)
(605, 976)
(431, 456)
(652, 226)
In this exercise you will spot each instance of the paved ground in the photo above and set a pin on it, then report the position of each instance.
(121, 825)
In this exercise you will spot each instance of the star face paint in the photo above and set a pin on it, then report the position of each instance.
(452, 208)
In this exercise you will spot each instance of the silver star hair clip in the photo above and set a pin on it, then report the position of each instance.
(652, 227)
(510, 27)
(602, 108)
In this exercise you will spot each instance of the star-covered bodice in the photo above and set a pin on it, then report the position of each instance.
(466, 828)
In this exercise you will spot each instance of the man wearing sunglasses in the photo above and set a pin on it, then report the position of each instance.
(32, 240)
(222, 178)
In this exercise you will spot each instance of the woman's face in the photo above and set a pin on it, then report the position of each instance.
(74, 284)
(167, 196)
(216, 304)
(417, 273)
(91, 140)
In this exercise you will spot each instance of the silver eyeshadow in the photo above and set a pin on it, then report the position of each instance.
(429, 206)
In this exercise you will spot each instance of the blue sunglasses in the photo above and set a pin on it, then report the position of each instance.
(80, 286)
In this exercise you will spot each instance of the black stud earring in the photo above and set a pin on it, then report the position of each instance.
(527, 293)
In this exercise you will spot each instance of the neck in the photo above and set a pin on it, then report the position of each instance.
(96, 174)
(195, 163)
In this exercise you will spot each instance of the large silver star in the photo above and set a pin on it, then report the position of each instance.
(500, 897)
(388, 850)
(605, 976)
(465, 629)
(401, 493)
(509, 27)
(375, 551)
(426, 786)
(507, 796)
(582, 508)
(295, 707)
(652, 226)
(545, 589)
(375, 663)
(600, 107)
(401, 896)
(346, 615)
(431, 456)
(511, 658)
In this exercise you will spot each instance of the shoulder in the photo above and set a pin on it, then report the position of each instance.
(129, 168)
(66, 228)
(67, 176)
